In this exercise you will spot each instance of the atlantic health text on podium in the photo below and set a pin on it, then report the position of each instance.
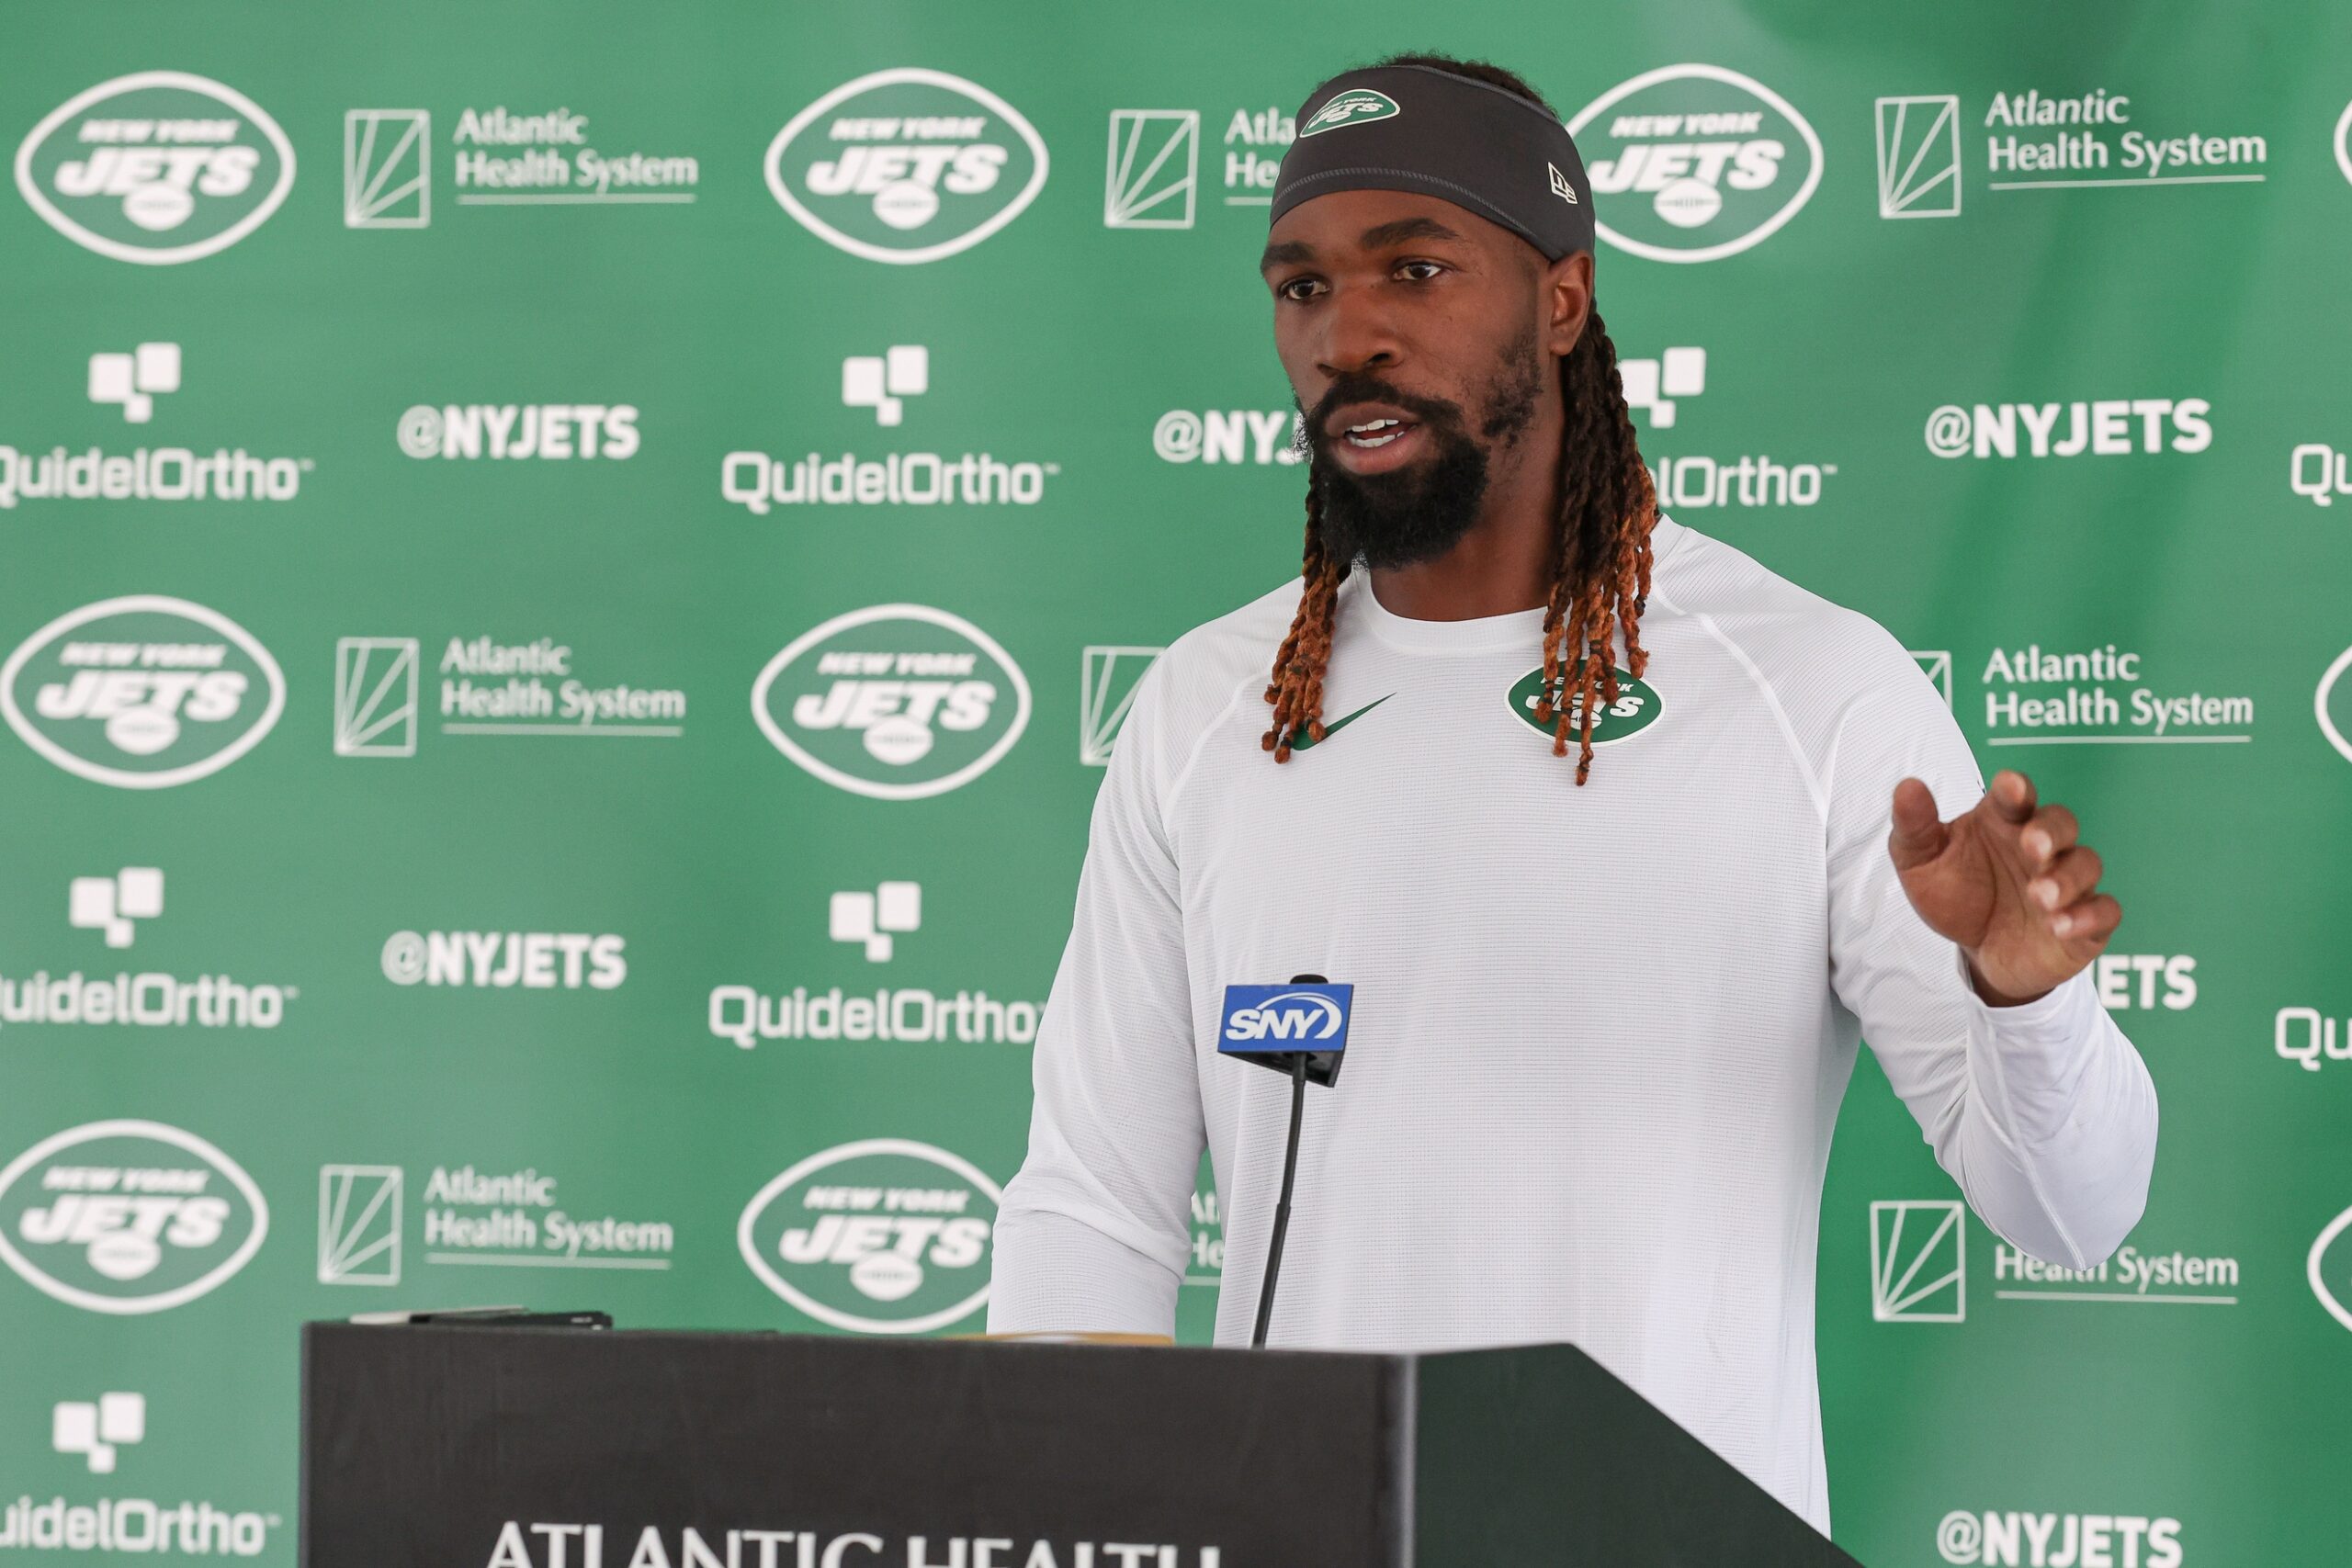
(488, 1447)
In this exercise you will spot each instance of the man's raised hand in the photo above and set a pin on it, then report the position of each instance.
(2008, 882)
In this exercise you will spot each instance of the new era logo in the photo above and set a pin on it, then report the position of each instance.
(375, 697)
(110, 903)
(131, 381)
(1918, 1261)
(386, 169)
(96, 1429)
(360, 1224)
(879, 381)
(1107, 677)
(1918, 157)
(1152, 173)
(1560, 187)
(871, 918)
(1651, 385)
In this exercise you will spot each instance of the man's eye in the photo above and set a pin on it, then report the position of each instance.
(1292, 288)
(1434, 268)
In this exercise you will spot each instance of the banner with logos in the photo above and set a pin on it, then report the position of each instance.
(568, 575)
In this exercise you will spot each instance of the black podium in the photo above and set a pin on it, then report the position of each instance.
(469, 1446)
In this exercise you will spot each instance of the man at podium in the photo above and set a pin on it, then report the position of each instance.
(1623, 842)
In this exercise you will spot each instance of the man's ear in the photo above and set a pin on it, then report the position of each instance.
(1567, 300)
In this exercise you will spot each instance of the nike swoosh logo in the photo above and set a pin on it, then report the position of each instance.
(1304, 741)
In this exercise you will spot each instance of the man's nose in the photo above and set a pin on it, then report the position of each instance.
(1357, 337)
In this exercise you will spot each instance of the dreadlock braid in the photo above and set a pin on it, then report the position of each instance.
(1601, 544)
(1601, 569)
(1601, 583)
(1296, 688)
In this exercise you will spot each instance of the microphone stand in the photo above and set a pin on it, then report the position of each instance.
(1282, 1208)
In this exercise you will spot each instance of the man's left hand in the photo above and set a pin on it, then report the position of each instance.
(2008, 882)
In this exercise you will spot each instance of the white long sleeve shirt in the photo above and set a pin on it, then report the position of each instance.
(1600, 1035)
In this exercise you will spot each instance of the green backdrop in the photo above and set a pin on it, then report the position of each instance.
(568, 571)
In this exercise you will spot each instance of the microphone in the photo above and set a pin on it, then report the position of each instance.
(1299, 1030)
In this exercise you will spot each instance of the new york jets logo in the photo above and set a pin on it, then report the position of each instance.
(156, 167)
(142, 691)
(906, 165)
(1357, 106)
(886, 1236)
(1694, 163)
(2330, 1271)
(1636, 709)
(2335, 702)
(127, 1217)
(896, 701)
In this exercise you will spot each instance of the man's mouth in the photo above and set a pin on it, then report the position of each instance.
(1376, 438)
(1374, 432)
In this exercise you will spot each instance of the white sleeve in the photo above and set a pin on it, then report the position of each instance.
(2044, 1113)
(1094, 1230)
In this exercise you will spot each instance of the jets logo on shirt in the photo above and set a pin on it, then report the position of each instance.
(1636, 709)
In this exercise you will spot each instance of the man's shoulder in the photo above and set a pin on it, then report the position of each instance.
(1195, 681)
(1810, 648)
(1841, 687)
(1218, 653)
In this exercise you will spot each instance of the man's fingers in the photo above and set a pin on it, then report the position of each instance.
(2051, 831)
(2067, 878)
(2011, 794)
(1918, 835)
(2093, 920)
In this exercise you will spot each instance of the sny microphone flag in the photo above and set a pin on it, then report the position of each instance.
(1278, 1020)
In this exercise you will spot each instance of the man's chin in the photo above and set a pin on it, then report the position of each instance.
(1398, 517)
(1402, 489)
(1387, 540)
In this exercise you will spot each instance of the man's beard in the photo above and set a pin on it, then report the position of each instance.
(1421, 511)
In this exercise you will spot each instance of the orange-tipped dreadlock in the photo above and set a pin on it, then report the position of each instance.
(1601, 549)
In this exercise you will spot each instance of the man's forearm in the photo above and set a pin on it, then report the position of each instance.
(2058, 1135)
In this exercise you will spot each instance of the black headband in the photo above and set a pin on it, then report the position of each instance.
(1418, 129)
